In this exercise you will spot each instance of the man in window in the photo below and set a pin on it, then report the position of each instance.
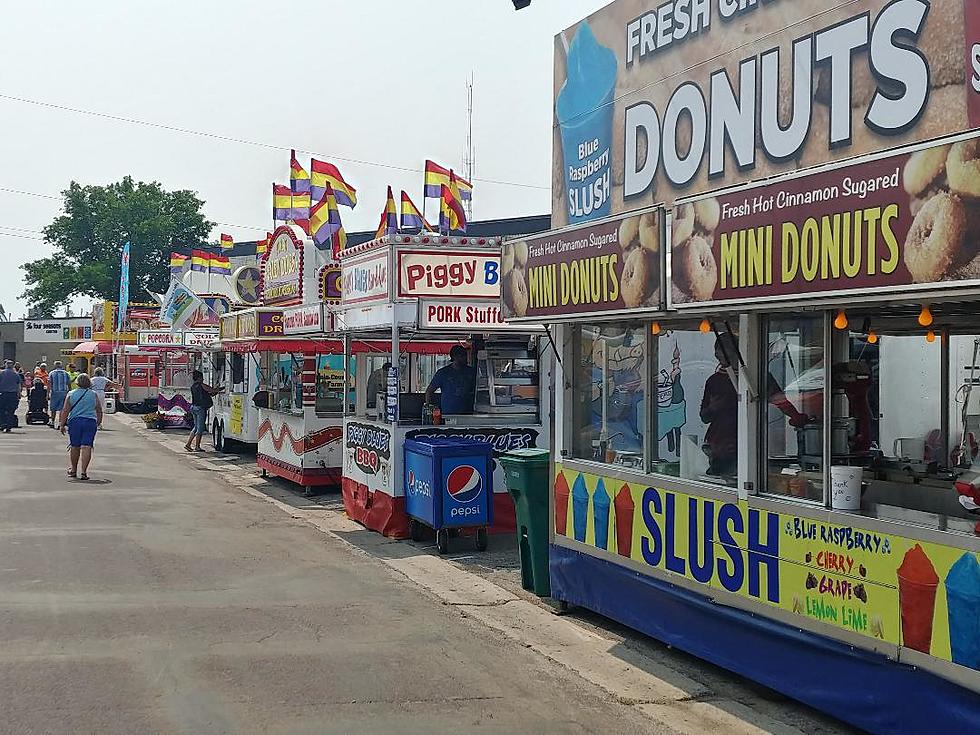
(719, 409)
(457, 383)
(377, 381)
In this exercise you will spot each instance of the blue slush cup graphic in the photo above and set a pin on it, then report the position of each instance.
(585, 114)
(580, 508)
(963, 603)
(600, 512)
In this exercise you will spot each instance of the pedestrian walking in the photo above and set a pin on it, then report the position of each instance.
(200, 405)
(25, 380)
(60, 383)
(11, 385)
(100, 384)
(72, 375)
(81, 416)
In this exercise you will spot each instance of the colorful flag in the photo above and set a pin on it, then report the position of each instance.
(412, 218)
(220, 265)
(324, 173)
(262, 246)
(436, 176)
(200, 261)
(325, 225)
(389, 218)
(282, 202)
(177, 260)
(299, 179)
(179, 305)
(227, 242)
(451, 213)
(124, 288)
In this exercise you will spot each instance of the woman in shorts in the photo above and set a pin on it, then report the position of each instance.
(81, 416)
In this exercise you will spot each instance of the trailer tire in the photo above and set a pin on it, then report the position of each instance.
(482, 539)
(442, 540)
(218, 437)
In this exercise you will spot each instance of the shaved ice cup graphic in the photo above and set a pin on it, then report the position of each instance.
(584, 109)
(624, 521)
(600, 512)
(561, 504)
(580, 508)
(963, 603)
(917, 584)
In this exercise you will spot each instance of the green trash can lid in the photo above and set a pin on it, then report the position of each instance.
(528, 455)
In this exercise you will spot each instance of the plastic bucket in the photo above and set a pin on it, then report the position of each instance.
(845, 488)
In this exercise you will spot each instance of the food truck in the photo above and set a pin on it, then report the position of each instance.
(416, 297)
(177, 354)
(772, 464)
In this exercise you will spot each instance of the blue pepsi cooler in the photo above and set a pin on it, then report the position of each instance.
(448, 486)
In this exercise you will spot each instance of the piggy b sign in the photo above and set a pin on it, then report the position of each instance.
(460, 274)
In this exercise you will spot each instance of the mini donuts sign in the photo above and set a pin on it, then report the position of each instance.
(600, 268)
(660, 99)
(910, 220)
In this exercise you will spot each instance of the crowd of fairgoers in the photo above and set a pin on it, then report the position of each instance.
(45, 391)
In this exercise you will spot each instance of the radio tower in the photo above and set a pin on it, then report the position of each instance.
(469, 158)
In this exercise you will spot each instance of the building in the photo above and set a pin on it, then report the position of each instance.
(29, 341)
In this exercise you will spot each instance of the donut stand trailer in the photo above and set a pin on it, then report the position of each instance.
(426, 293)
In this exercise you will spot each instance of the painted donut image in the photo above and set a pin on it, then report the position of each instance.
(682, 224)
(707, 214)
(923, 168)
(637, 282)
(514, 289)
(629, 232)
(696, 268)
(963, 168)
(649, 232)
(936, 238)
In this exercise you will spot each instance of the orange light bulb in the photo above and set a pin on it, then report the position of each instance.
(872, 338)
(655, 328)
(930, 336)
(840, 321)
(925, 316)
(704, 326)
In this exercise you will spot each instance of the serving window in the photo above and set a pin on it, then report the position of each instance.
(659, 399)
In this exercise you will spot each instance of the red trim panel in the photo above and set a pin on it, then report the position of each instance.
(375, 510)
(310, 476)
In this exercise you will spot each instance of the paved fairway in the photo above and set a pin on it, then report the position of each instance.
(158, 599)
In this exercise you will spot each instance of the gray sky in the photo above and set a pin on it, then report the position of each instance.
(344, 79)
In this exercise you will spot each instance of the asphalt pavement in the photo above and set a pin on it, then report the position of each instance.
(157, 598)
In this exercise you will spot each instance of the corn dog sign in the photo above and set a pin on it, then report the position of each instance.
(656, 100)
(909, 220)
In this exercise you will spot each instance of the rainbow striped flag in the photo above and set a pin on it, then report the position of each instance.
(287, 206)
(177, 260)
(262, 246)
(200, 260)
(389, 218)
(326, 174)
(227, 242)
(451, 213)
(299, 179)
(436, 176)
(220, 264)
(325, 225)
(412, 218)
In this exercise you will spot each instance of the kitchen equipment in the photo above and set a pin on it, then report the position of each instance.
(909, 448)
(812, 438)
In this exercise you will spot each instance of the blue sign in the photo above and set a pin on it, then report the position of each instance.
(123, 288)
(420, 488)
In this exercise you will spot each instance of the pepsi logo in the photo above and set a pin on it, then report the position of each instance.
(464, 484)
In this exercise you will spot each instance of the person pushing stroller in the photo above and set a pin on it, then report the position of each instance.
(37, 404)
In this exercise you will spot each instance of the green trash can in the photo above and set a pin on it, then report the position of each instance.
(528, 481)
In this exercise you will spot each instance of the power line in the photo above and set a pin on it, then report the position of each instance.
(53, 196)
(240, 141)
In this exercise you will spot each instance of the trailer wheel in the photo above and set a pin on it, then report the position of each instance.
(415, 530)
(482, 539)
(442, 540)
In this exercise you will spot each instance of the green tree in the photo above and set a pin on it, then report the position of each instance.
(89, 235)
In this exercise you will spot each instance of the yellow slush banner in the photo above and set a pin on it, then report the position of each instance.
(918, 595)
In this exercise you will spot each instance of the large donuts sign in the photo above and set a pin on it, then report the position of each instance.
(598, 268)
(911, 220)
(660, 99)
